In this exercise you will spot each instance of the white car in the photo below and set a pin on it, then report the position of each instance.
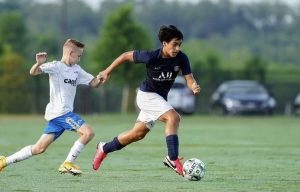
(181, 97)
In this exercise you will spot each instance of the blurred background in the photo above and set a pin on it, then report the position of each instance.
(225, 40)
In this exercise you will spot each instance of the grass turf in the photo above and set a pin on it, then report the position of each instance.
(241, 154)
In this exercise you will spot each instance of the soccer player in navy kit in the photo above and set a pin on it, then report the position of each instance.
(162, 65)
(64, 76)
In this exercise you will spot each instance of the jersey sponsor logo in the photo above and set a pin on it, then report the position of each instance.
(176, 68)
(70, 81)
(164, 76)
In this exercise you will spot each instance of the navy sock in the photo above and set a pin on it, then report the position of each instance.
(173, 145)
(112, 146)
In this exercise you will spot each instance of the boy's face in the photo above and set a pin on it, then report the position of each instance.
(172, 48)
(75, 55)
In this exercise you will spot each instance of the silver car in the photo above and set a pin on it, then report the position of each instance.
(181, 97)
(296, 105)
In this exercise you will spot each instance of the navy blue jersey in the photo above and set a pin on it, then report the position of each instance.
(161, 72)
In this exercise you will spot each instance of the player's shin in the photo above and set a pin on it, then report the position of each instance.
(112, 146)
(21, 155)
(75, 151)
(172, 145)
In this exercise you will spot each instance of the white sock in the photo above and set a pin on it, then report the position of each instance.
(75, 151)
(21, 155)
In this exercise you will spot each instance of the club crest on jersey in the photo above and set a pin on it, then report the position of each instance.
(176, 68)
(70, 81)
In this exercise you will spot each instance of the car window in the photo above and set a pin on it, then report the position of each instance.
(245, 90)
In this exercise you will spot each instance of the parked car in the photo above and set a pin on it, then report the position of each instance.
(242, 96)
(181, 97)
(296, 105)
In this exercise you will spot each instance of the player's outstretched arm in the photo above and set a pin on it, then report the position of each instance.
(192, 84)
(127, 56)
(96, 81)
(40, 58)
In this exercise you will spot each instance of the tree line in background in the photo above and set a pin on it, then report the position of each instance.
(223, 40)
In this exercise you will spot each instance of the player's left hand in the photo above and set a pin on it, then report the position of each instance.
(196, 88)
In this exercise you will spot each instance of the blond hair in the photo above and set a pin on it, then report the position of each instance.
(71, 45)
(73, 42)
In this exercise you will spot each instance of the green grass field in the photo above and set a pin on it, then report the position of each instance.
(241, 154)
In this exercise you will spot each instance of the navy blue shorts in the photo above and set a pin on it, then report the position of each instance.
(58, 125)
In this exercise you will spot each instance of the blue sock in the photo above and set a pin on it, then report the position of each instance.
(173, 145)
(112, 146)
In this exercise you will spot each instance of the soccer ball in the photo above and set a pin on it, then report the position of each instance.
(193, 169)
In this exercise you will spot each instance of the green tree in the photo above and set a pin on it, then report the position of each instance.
(13, 32)
(14, 96)
(119, 34)
(256, 69)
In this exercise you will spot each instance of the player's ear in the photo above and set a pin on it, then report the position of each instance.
(164, 43)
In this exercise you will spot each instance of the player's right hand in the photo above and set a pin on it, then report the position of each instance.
(41, 57)
(196, 88)
(103, 75)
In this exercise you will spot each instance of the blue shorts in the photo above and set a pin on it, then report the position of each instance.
(58, 125)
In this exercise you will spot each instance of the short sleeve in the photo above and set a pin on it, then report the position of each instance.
(50, 67)
(186, 67)
(84, 77)
(142, 56)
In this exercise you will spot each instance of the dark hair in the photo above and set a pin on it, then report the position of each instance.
(167, 33)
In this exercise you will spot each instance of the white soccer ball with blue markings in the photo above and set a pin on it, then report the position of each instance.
(193, 169)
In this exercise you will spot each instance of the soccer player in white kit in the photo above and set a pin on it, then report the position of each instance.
(64, 76)
(162, 66)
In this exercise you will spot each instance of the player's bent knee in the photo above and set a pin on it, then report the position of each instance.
(175, 119)
(172, 116)
(91, 134)
(88, 136)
